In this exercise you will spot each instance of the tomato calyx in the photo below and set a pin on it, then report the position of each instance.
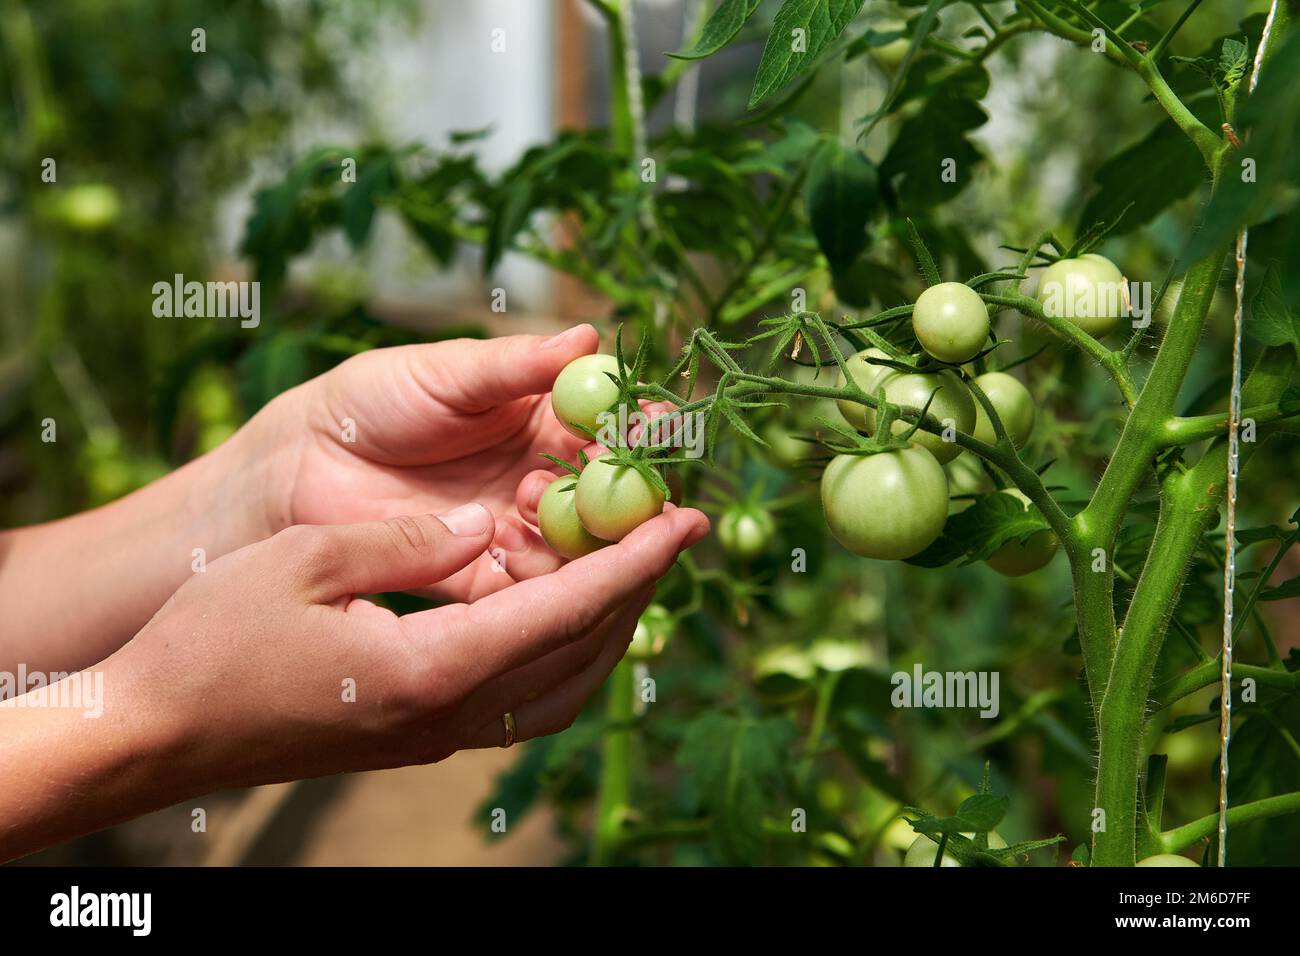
(883, 439)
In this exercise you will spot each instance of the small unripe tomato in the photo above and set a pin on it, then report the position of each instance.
(923, 850)
(952, 402)
(583, 390)
(890, 505)
(1085, 291)
(1015, 558)
(966, 476)
(653, 629)
(746, 532)
(613, 499)
(1167, 859)
(90, 206)
(951, 322)
(558, 519)
(1013, 403)
(867, 376)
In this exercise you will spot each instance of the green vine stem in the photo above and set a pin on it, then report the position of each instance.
(1180, 838)
(614, 802)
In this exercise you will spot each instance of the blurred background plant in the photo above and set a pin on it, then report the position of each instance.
(483, 169)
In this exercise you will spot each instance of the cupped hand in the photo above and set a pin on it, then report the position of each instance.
(425, 428)
(270, 668)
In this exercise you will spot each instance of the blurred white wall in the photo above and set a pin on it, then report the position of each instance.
(422, 82)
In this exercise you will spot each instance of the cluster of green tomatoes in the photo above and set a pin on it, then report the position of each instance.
(888, 503)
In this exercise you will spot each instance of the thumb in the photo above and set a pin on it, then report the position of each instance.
(491, 372)
(396, 554)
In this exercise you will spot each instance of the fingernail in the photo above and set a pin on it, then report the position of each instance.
(563, 337)
(467, 521)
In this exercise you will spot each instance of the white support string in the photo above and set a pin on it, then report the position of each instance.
(1234, 453)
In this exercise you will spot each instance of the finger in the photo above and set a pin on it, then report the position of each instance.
(521, 552)
(540, 615)
(396, 554)
(487, 373)
(555, 710)
(529, 493)
(539, 677)
(556, 707)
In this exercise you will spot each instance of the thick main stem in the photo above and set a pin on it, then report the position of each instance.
(1189, 506)
(616, 766)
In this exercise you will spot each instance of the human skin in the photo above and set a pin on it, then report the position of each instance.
(267, 667)
(435, 426)
(236, 674)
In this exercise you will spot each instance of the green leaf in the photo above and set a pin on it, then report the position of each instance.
(1151, 175)
(1267, 125)
(357, 207)
(841, 195)
(919, 157)
(721, 27)
(982, 812)
(738, 767)
(990, 522)
(1287, 589)
(1272, 322)
(787, 52)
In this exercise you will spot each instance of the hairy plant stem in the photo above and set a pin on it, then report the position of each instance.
(615, 794)
(1189, 506)
(1180, 838)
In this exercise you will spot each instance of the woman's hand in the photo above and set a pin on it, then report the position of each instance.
(390, 432)
(424, 428)
(268, 667)
(276, 670)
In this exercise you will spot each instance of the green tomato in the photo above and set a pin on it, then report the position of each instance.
(867, 376)
(923, 850)
(785, 448)
(90, 206)
(613, 499)
(953, 402)
(653, 629)
(1015, 558)
(558, 519)
(951, 322)
(746, 533)
(1013, 403)
(1086, 291)
(966, 476)
(1167, 859)
(889, 505)
(582, 391)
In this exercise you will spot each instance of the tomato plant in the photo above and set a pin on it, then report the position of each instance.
(783, 261)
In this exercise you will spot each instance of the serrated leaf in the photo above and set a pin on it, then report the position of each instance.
(738, 767)
(979, 530)
(983, 811)
(724, 23)
(788, 53)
